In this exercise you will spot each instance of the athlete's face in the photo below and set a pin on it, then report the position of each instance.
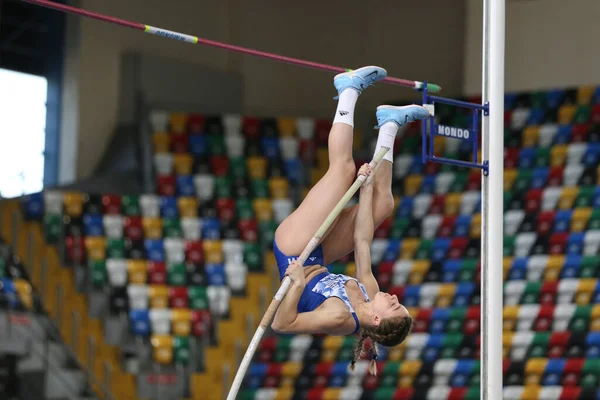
(386, 306)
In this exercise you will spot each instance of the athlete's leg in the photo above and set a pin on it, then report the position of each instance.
(340, 241)
(294, 233)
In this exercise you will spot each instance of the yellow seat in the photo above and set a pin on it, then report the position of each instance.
(287, 126)
(279, 188)
(316, 174)
(396, 354)
(137, 271)
(178, 122)
(509, 317)
(161, 142)
(530, 136)
(159, 296)
(510, 174)
(534, 369)
(585, 290)
(285, 393)
(333, 342)
(350, 269)
(291, 369)
(595, 318)
(182, 163)
(507, 340)
(439, 145)
(181, 321)
(580, 218)
(408, 370)
(452, 204)
(24, 292)
(270, 261)
(408, 248)
(584, 94)
(152, 227)
(263, 209)
(73, 204)
(566, 114)
(322, 158)
(305, 191)
(507, 262)
(188, 207)
(412, 184)
(558, 155)
(445, 295)
(476, 226)
(419, 269)
(531, 392)
(162, 346)
(96, 248)
(567, 198)
(331, 394)
(397, 200)
(213, 251)
(257, 167)
(553, 268)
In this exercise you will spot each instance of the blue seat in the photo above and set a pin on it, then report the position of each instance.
(412, 293)
(168, 207)
(254, 382)
(562, 221)
(451, 270)
(591, 157)
(596, 200)
(258, 369)
(554, 370)
(339, 374)
(337, 381)
(432, 348)
(198, 145)
(536, 117)
(140, 322)
(392, 250)
(270, 147)
(592, 344)
(464, 292)
(539, 177)
(575, 243)
(428, 184)
(596, 296)
(211, 228)
(155, 250)
(215, 274)
(527, 157)
(563, 136)
(462, 373)
(571, 266)
(94, 225)
(439, 318)
(33, 206)
(440, 249)
(185, 185)
(596, 96)
(462, 225)
(554, 98)
(518, 269)
(509, 100)
(9, 292)
(416, 167)
(293, 171)
(406, 207)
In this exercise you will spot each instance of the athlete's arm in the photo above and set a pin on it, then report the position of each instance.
(363, 236)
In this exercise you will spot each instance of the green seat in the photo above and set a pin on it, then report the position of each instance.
(253, 256)
(172, 228)
(512, 138)
(337, 268)
(399, 228)
(131, 205)
(388, 389)
(474, 392)
(282, 349)
(531, 294)
(523, 181)
(509, 245)
(475, 374)
(198, 297)
(594, 222)
(538, 100)
(216, 145)
(346, 352)
(244, 209)
(389, 376)
(248, 394)
(585, 196)
(424, 250)
(581, 319)
(266, 232)
(450, 345)
(590, 373)
(456, 320)
(98, 273)
(115, 248)
(52, 228)
(460, 182)
(542, 157)
(589, 266)
(449, 167)
(539, 345)
(237, 167)
(176, 274)
(223, 187)
(181, 349)
(260, 189)
(2, 267)
(507, 199)
(582, 115)
(468, 270)
(410, 144)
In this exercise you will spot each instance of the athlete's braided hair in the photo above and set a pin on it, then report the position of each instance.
(390, 332)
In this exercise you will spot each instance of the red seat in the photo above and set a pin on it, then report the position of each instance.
(437, 204)
(558, 242)
(133, 228)
(371, 382)
(472, 320)
(595, 114)
(507, 117)
(307, 150)
(268, 344)
(533, 200)
(75, 249)
(555, 176)
(322, 128)
(580, 133)
(180, 143)
(111, 203)
(271, 381)
(511, 158)
(458, 247)
(201, 322)
(557, 344)
(549, 292)
(324, 369)
(384, 273)
(572, 371)
(157, 273)
(166, 185)
(274, 369)
(457, 393)
(545, 222)
(383, 230)
(570, 393)
(423, 320)
(544, 319)
(398, 291)
(506, 362)
(404, 393)
(251, 127)
(194, 252)
(432, 168)
(447, 226)
(219, 165)
(178, 297)
(195, 124)
(474, 181)
(225, 209)
(316, 393)
(248, 230)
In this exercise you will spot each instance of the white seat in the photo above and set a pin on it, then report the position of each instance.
(575, 153)
(360, 370)
(415, 344)
(378, 247)
(232, 123)
(161, 320)
(266, 393)
(591, 242)
(429, 293)
(402, 164)
(562, 316)
(438, 392)
(150, 205)
(305, 128)
(519, 118)
(235, 145)
(546, 135)
(512, 392)
(513, 290)
(289, 148)
(353, 392)
(281, 209)
(219, 299)
(113, 226)
(298, 347)
(527, 314)
(469, 202)
(205, 186)
(442, 370)
(53, 202)
(512, 221)
(430, 225)
(163, 163)
(236, 275)
(571, 174)
(192, 228)
(523, 243)
(443, 182)
(520, 344)
(233, 250)
(402, 270)
(536, 265)
(138, 297)
(550, 198)
(566, 290)
(421, 205)
(550, 393)
(174, 250)
(452, 145)
(117, 271)
(159, 121)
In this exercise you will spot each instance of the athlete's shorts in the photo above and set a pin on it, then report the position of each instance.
(284, 260)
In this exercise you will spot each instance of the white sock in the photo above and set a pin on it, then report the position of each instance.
(345, 109)
(386, 138)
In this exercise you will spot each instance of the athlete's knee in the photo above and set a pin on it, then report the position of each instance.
(384, 205)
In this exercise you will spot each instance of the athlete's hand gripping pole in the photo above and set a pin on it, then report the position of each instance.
(285, 284)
